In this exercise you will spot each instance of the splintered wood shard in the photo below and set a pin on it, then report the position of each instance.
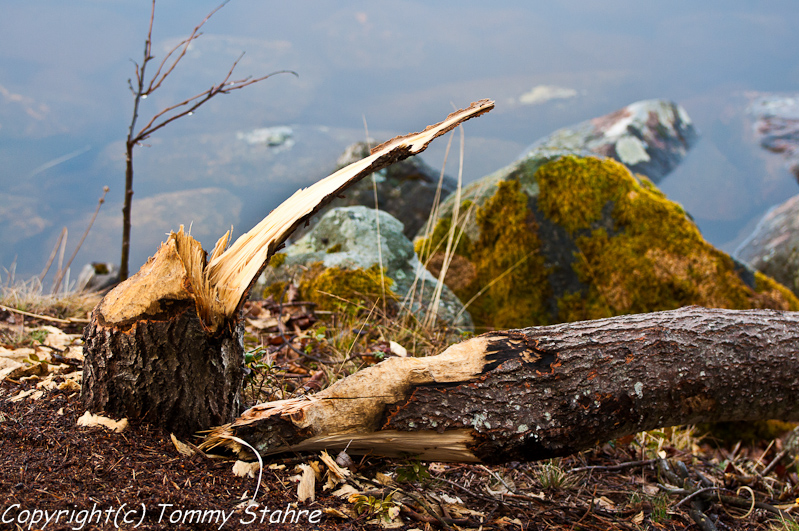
(544, 392)
(229, 274)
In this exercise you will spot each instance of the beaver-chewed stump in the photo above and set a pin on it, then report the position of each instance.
(165, 346)
(149, 356)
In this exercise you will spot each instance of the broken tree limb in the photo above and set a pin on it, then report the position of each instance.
(544, 392)
(165, 346)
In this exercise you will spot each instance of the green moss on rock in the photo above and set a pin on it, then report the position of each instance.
(277, 260)
(650, 256)
(276, 290)
(348, 290)
(509, 262)
(502, 273)
(583, 238)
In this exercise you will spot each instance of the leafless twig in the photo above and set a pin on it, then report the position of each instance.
(60, 274)
(143, 88)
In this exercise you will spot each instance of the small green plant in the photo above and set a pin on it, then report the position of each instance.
(552, 477)
(660, 508)
(413, 472)
(786, 524)
(384, 508)
(254, 359)
(681, 438)
(38, 335)
(22, 338)
(263, 375)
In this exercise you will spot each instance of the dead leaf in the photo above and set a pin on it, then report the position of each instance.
(33, 394)
(17, 354)
(26, 371)
(638, 519)
(604, 503)
(343, 459)
(438, 468)
(449, 499)
(184, 449)
(57, 338)
(317, 470)
(504, 521)
(47, 384)
(339, 514)
(263, 324)
(650, 490)
(461, 511)
(90, 420)
(70, 386)
(388, 525)
(7, 366)
(345, 491)
(384, 479)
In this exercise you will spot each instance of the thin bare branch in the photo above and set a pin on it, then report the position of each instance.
(158, 78)
(223, 88)
(168, 115)
(156, 81)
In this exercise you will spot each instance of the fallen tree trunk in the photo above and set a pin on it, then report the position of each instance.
(165, 346)
(544, 392)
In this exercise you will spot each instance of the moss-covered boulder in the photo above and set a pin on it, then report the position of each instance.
(556, 238)
(353, 257)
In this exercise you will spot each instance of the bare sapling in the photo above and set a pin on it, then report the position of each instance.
(141, 87)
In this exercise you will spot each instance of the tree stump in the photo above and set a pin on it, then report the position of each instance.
(149, 356)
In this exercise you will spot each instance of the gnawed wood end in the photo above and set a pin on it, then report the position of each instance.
(350, 411)
(163, 279)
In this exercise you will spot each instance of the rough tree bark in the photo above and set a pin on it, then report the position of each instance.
(165, 345)
(544, 392)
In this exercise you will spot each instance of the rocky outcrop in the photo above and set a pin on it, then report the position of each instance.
(554, 238)
(773, 247)
(338, 263)
(407, 190)
(777, 126)
(649, 137)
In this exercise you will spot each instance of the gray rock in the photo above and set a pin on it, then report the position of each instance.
(347, 237)
(777, 126)
(406, 190)
(773, 247)
(97, 276)
(649, 137)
